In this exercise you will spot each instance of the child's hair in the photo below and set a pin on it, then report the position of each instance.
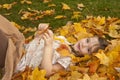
(103, 43)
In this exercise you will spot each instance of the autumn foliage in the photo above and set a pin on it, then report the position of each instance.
(103, 65)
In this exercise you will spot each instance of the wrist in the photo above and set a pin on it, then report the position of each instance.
(48, 48)
(48, 45)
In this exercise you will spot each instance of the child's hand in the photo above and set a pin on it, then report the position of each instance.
(48, 37)
(42, 28)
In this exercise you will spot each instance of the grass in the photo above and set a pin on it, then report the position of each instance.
(92, 7)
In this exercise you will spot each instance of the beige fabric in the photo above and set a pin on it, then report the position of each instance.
(3, 48)
(14, 50)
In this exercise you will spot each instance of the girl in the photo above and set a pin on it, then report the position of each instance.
(43, 51)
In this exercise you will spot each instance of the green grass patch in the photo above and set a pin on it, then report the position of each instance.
(92, 7)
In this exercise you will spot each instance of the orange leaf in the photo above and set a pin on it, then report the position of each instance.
(93, 66)
(64, 50)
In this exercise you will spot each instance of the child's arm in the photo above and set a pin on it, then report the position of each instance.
(47, 56)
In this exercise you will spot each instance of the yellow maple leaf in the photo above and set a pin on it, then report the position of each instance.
(26, 15)
(92, 77)
(26, 1)
(48, 12)
(63, 32)
(8, 6)
(51, 5)
(71, 39)
(95, 76)
(80, 32)
(55, 77)
(103, 58)
(101, 20)
(76, 15)
(65, 7)
(60, 17)
(114, 31)
(85, 77)
(78, 28)
(61, 39)
(37, 74)
(73, 32)
(63, 49)
(114, 52)
(75, 75)
(79, 59)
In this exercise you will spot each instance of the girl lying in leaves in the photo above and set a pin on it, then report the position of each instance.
(43, 51)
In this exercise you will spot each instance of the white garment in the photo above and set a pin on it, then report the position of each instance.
(34, 54)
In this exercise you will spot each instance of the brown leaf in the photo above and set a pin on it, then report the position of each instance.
(93, 66)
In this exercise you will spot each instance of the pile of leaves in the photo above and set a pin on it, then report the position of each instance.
(103, 65)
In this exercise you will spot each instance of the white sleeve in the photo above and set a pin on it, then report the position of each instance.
(64, 61)
(32, 46)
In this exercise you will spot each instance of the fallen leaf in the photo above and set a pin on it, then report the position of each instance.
(64, 50)
(60, 17)
(101, 20)
(37, 75)
(54, 77)
(80, 6)
(96, 77)
(65, 6)
(93, 66)
(75, 75)
(8, 6)
(48, 12)
(26, 1)
(103, 58)
(51, 5)
(114, 31)
(76, 15)
(85, 77)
